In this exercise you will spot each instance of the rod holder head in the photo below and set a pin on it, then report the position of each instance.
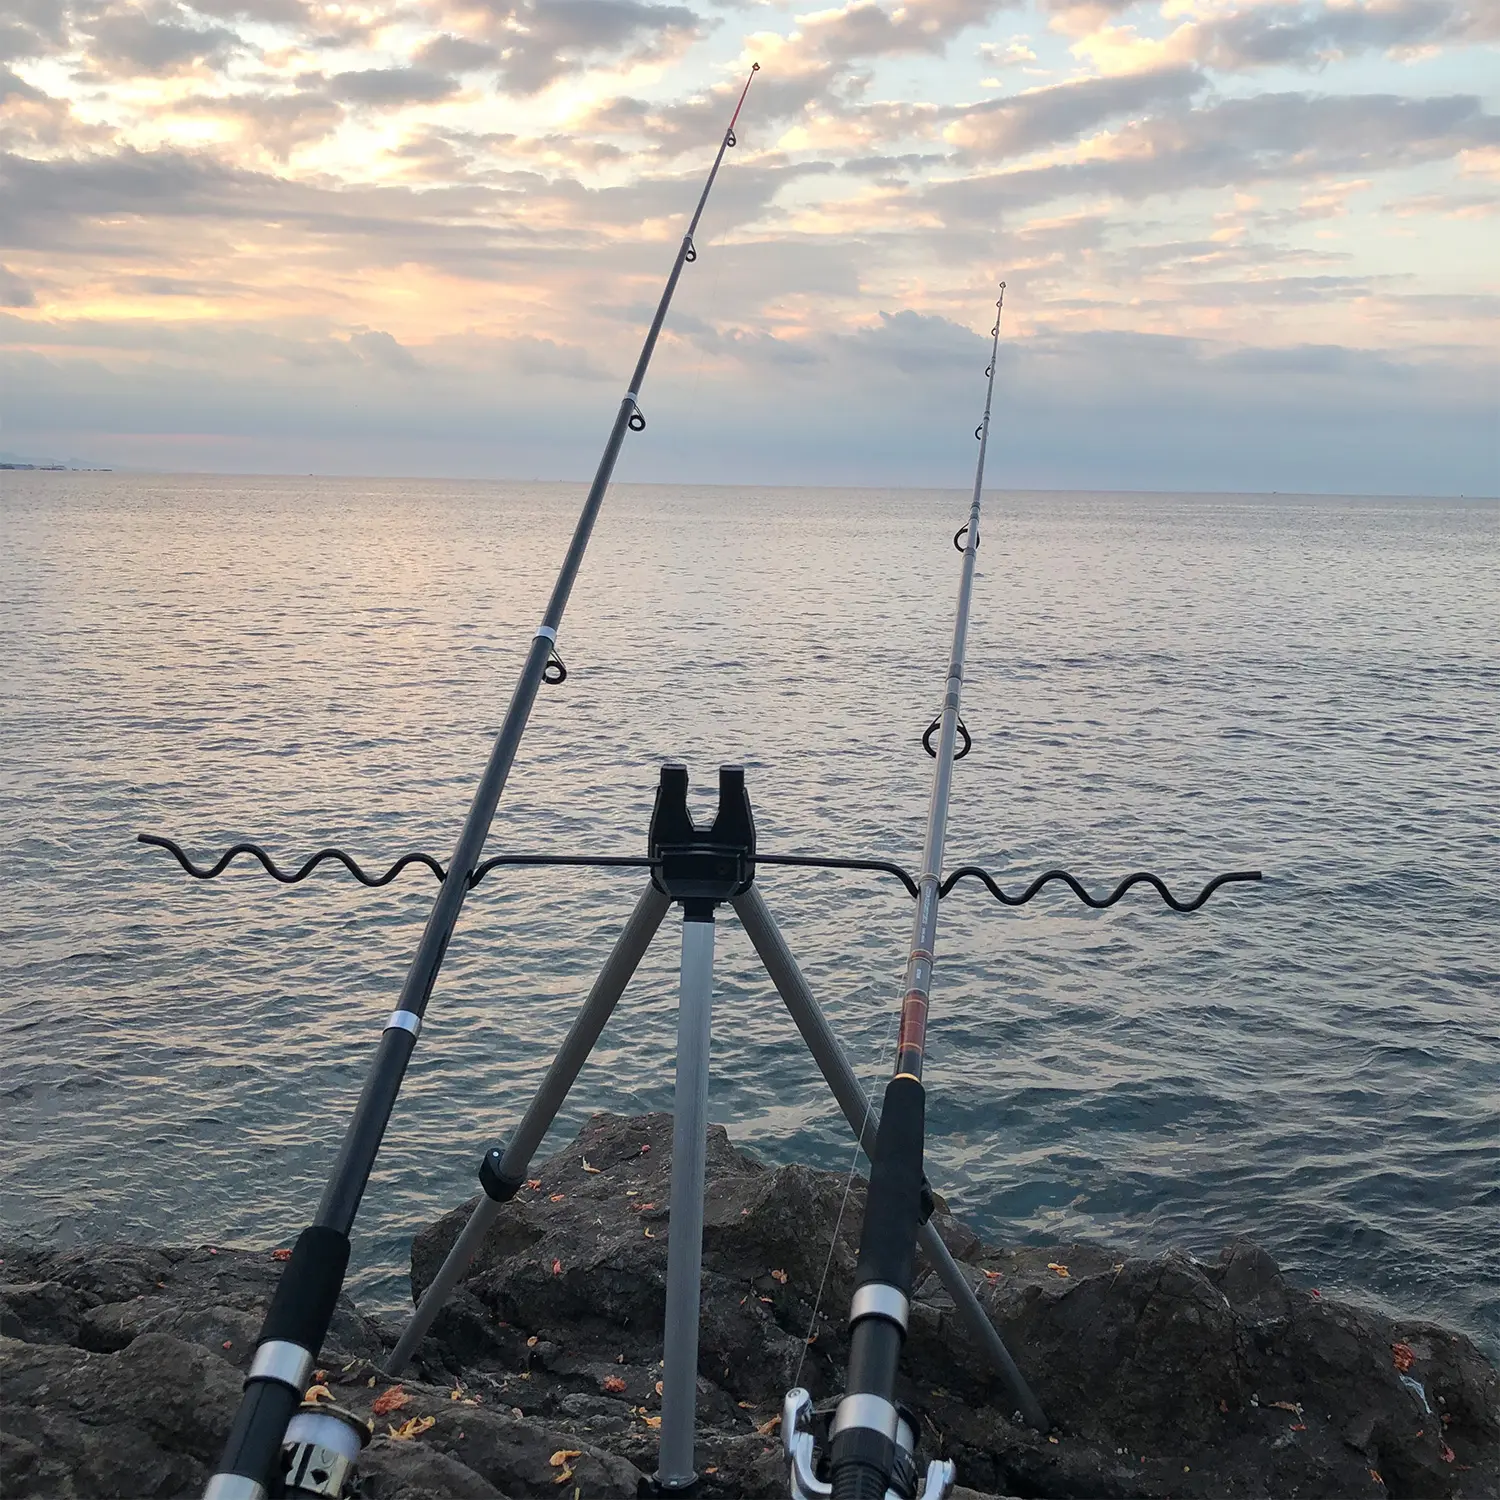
(700, 867)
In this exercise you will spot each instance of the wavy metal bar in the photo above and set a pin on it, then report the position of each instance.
(1140, 877)
(353, 866)
(626, 861)
(275, 871)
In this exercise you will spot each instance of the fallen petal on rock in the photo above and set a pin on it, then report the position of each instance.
(392, 1399)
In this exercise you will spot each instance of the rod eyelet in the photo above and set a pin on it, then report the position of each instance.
(637, 422)
(963, 734)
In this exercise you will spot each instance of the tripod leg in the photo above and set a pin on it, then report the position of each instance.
(864, 1120)
(503, 1173)
(679, 1404)
(981, 1330)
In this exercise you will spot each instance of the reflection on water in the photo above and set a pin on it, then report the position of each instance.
(1181, 683)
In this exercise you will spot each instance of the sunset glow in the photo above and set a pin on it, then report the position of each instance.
(353, 210)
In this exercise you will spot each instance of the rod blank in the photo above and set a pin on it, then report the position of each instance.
(863, 1450)
(249, 1456)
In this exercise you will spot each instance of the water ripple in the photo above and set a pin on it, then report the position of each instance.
(1186, 684)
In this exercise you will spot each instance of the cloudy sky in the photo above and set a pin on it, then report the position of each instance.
(1248, 243)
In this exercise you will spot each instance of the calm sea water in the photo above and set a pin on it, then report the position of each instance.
(1183, 683)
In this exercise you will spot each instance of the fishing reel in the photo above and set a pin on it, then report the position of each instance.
(320, 1453)
(799, 1444)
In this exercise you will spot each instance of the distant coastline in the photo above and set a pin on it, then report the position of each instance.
(57, 468)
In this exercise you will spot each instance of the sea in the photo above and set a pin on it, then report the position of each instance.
(1180, 683)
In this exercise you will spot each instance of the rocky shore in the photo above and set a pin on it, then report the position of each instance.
(120, 1366)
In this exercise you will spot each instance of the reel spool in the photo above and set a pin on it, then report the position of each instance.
(320, 1453)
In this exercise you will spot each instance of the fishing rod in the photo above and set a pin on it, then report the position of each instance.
(869, 1435)
(297, 1321)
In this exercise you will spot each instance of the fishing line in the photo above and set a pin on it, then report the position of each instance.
(838, 1223)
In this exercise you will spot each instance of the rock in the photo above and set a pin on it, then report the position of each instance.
(485, 1448)
(104, 1298)
(42, 1312)
(586, 1251)
(413, 1471)
(1162, 1374)
(146, 1420)
(1165, 1376)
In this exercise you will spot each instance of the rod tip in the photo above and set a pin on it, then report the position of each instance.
(755, 67)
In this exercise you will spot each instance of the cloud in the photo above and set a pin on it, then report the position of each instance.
(129, 41)
(1447, 205)
(293, 13)
(427, 204)
(14, 292)
(269, 124)
(33, 121)
(390, 88)
(457, 54)
(540, 41)
(1238, 141)
(32, 28)
(863, 29)
(1315, 35)
(1012, 54)
(1022, 123)
(14, 87)
(1245, 37)
(893, 403)
(666, 129)
(378, 348)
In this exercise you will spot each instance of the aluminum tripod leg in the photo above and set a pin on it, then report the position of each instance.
(679, 1403)
(627, 953)
(864, 1120)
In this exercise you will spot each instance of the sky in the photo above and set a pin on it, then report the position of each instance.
(1247, 244)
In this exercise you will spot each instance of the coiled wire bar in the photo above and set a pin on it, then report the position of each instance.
(643, 862)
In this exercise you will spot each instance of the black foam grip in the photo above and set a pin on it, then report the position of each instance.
(888, 1243)
(302, 1308)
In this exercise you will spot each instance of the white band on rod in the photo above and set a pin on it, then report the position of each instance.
(284, 1361)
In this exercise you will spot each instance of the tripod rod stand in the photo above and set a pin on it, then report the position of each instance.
(698, 869)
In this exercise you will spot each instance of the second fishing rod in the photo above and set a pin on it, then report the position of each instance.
(298, 1318)
(866, 1431)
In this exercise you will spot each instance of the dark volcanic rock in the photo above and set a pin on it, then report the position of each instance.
(103, 1298)
(121, 1367)
(147, 1420)
(1166, 1377)
(581, 1253)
